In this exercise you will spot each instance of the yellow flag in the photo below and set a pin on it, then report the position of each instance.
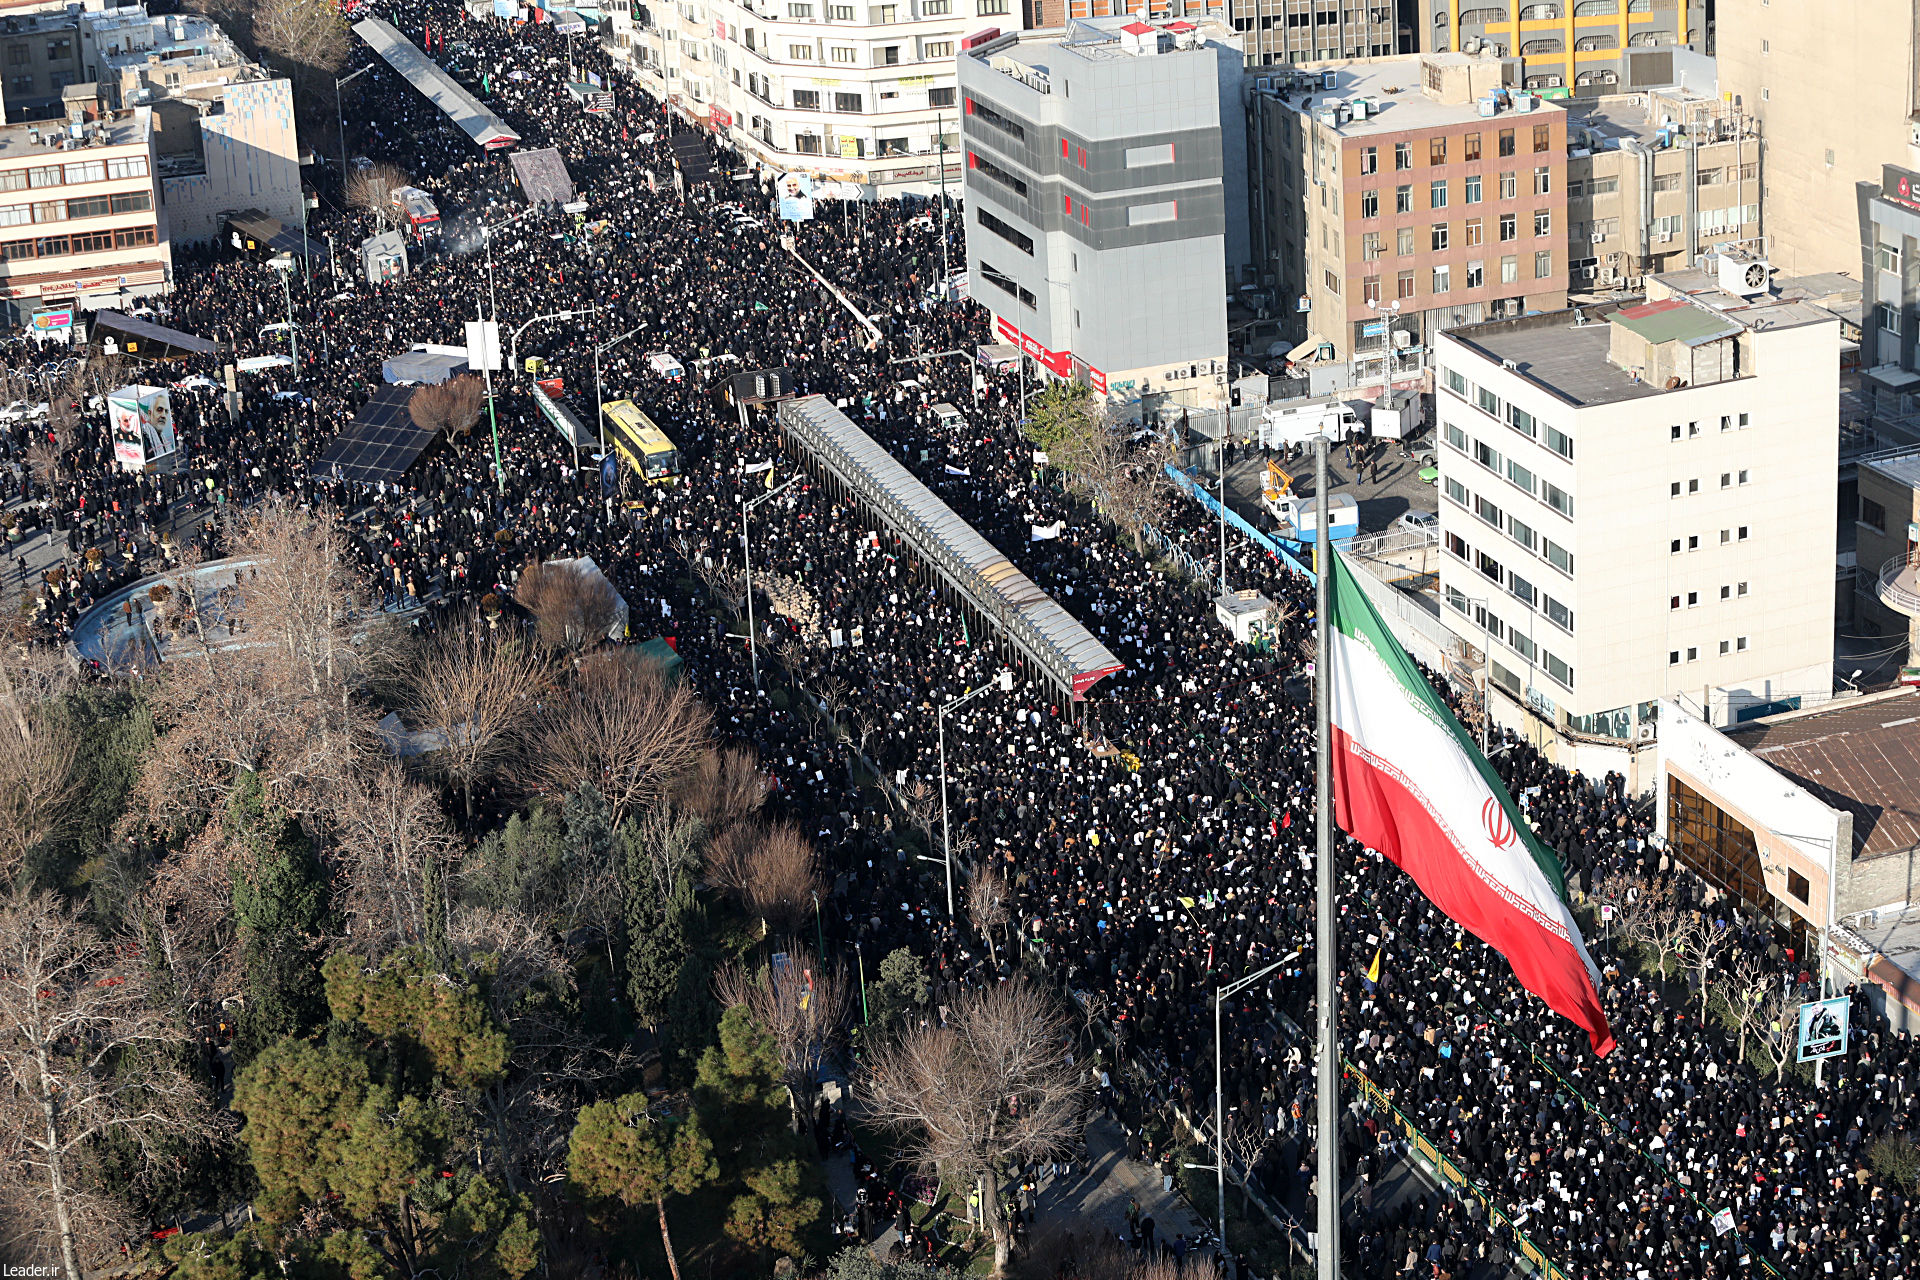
(1459, 941)
(1373, 970)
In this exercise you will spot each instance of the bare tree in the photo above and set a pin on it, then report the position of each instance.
(771, 868)
(804, 1005)
(182, 917)
(1744, 983)
(1776, 1028)
(724, 787)
(619, 725)
(372, 189)
(572, 603)
(989, 1088)
(37, 785)
(987, 905)
(1700, 946)
(450, 407)
(397, 853)
(1245, 1142)
(259, 668)
(85, 1056)
(472, 689)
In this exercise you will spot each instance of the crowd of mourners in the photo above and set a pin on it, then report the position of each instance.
(1157, 837)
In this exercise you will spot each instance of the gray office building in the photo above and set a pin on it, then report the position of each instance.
(1106, 200)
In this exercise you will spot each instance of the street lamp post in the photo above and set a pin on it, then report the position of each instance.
(341, 115)
(746, 554)
(1005, 681)
(284, 265)
(1219, 1111)
(493, 417)
(599, 404)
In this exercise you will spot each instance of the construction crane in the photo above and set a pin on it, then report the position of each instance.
(1279, 483)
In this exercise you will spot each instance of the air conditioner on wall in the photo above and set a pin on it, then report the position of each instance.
(1644, 733)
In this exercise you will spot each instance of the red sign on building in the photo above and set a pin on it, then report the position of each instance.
(1058, 363)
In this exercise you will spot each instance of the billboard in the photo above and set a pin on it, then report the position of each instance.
(1823, 1029)
(796, 197)
(52, 319)
(140, 419)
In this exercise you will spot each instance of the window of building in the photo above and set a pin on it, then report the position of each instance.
(887, 55)
(1542, 138)
(1476, 275)
(122, 167)
(1403, 242)
(1506, 142)
(1437, 195)
(1006, 231)
(1557, 556)
(806, 99)
(1332, 281)
(941, 97)
(1456, 492)
(44, 175)
(988, 168)
(1543, 264)
(1403, 285)
(1519, 476)
(1140, 215)
(1509, 226)
(92, 207)
(847, 102)
(1473, 188)
(1456, 437)
(1437, 150)
(19, 85)
(1438, 236)
(840, 54)
(1005, 283)
(1370, 289)
(1458, 546)
(1509, 186)
(1470, 147)
(1403, 199)
(1488, 512)
(1369, 160)
(1543, 222)
(1873, 515)
(1474, 232)
(1370, 203)
(1522, 533)
(1562, 673)
(18, 55)
(937, 49)
(1543, 181)
(992, 8)
(800, 53)
(1403, 155)
(1509, 270)
(1557, 498)
(1489, 567)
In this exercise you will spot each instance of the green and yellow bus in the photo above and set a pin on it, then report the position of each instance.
(646, 448)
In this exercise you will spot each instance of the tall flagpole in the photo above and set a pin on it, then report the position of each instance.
(1326, 955)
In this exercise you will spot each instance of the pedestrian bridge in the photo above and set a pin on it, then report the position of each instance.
(983, 580)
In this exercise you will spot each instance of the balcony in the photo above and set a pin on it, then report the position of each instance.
(1900, 584)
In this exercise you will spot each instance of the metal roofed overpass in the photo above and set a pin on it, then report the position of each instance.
(488, 131)
(1045, 634)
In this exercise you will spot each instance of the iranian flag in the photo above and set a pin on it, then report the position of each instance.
(1408, 782)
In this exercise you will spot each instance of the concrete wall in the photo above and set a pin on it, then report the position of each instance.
(252, 162)
(1833, 86)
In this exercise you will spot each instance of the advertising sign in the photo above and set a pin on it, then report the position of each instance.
(796, 197)
(52, 319)
(140, 419)
(1823, 1029)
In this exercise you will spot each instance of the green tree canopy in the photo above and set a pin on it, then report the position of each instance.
(428, 1021)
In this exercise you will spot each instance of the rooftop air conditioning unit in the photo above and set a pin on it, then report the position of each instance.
(1743, 274)
(1644, 733)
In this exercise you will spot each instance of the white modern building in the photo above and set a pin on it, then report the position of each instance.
(1637, 503)
(225, 139)
(860, 93)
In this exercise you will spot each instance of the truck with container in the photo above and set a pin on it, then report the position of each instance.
(1302, 424)
(1296, 519)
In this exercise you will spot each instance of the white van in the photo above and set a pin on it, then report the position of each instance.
(1284, 425)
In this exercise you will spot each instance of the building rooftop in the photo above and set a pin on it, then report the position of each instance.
(1903, 468)
(1030, 56)
(1859, 756)
(1563, 351)
(1656, 118)
(1394, 94)
(1674, 320)
(1787, 303)
(119, 130)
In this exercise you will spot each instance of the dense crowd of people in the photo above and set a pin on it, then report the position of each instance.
(1140, 888)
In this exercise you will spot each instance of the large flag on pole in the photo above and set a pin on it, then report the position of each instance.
(1410, 783)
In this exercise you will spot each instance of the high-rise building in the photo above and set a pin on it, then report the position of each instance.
(1278, 32)
(1570, 48)
(861, 93)
(1616, 483)
(1655, 180)
(1411, 193)
(1833, 87)
(1889, 233)
(78, 218)
(1106, 200)
(225, 132)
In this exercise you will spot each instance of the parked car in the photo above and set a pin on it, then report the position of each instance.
(1418, 521)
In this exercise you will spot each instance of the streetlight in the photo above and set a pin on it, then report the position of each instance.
(493, 342)
(599, 404)
(746, 553)
(1219, 1131)
(341, 115)
(1005, 681)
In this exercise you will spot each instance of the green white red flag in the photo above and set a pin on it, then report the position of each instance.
(1408, 782)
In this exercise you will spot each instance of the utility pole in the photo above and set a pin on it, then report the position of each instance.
(1326, 957)
(946, 271)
